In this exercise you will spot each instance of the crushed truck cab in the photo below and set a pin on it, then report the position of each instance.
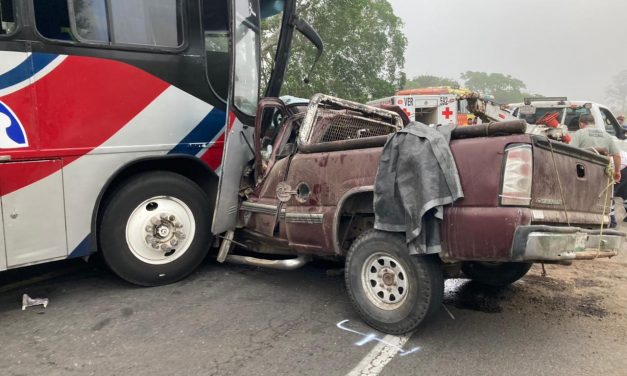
(309, 193)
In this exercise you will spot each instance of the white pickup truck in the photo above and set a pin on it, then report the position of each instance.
(568, 112)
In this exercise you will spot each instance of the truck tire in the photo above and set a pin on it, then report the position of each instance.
(155, 228)
(391, 290)
(495, 274)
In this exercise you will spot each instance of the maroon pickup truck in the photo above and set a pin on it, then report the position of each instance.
(309, 193)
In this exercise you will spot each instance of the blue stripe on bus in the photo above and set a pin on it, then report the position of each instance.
(204, 132)
(26, 69)
(82, 249)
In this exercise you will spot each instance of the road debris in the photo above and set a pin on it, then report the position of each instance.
(27, 301)
(447, 311)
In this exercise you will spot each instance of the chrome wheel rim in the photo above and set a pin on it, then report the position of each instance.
(385, 281)
(160, 230)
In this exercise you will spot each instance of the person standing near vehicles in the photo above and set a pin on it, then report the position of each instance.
(588, 137)
(620, 189)
(621, 121)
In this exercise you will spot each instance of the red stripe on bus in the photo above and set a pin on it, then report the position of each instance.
(85, 101)
(213, 156)
(80, 104)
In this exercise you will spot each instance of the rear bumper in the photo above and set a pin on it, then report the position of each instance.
(564, 244)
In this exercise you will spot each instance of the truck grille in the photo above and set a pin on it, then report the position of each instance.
(334, 126)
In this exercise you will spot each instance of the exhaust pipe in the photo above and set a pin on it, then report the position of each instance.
(289, 264)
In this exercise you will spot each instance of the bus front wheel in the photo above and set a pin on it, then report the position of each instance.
(155, 228)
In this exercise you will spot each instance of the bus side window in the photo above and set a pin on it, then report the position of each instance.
(7, 18)
(215, 24)
(138, 22)
(90, 20)
(52, 19)
(146, 22)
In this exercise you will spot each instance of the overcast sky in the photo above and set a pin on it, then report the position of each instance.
(557, 47)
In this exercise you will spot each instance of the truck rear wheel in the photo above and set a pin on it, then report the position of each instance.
(496, 273)
(155, 228)
(392, 291)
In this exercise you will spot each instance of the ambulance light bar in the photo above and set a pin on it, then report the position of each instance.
(548, 99)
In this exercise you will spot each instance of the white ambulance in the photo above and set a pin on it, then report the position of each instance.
(434, 105)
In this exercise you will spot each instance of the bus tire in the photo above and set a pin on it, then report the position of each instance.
(392, 291)
(155, 228)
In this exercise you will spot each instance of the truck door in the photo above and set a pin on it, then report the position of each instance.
(273, 144)
(245, 34)
(611, 124)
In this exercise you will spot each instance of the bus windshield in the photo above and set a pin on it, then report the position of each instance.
(250, 40)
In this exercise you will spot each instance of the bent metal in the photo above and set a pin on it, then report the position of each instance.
(309, 192)
(161, 145)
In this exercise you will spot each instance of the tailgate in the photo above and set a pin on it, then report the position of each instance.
(583, 180)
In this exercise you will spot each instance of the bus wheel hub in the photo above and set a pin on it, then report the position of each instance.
(160, 230)
(164, 232)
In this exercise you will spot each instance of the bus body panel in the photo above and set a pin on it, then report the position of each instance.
(91, 111)
(92, 117)
(239, 139)
(34, 223)
(3, 256)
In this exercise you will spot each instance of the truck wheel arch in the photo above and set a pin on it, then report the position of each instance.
(185, 165)
(360, 198)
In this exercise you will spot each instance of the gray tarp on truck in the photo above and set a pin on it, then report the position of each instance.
(417, 176)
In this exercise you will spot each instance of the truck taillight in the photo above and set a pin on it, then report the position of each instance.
(517, 176)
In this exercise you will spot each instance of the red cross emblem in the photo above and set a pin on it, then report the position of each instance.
(407, 113)
(447, 113)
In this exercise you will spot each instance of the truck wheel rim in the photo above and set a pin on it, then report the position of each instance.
(160, 230)
(385, 281)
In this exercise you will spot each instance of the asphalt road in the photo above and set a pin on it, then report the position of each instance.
(234, 320)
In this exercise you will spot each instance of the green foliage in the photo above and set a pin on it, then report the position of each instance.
(617, 92)
(504, 88)
(364, 50)
(429, 81)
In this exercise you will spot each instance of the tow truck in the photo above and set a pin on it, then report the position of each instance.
(462, 107)
(565, 113)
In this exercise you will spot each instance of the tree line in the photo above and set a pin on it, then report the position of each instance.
(501, 87)
(365, 55)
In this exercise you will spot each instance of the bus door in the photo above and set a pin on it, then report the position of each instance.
(243, 97)
(33, 224)
(245, 72)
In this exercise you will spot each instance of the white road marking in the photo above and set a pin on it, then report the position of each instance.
(380, 355)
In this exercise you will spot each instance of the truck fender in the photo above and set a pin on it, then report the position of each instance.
(339, 209)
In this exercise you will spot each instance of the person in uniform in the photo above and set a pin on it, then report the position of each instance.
(589, 137)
